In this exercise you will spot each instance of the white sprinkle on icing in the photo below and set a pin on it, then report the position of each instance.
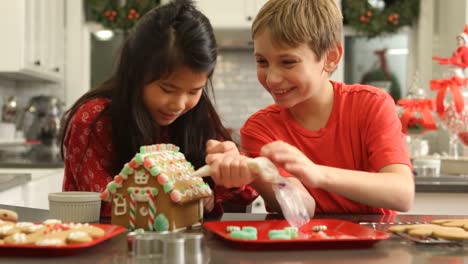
(52, 221)
(77, 235)
(19, 238)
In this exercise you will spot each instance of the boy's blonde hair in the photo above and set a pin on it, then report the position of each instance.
(318, 23)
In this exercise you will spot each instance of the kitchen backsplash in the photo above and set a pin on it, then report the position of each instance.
(238, 94)
(24, 90)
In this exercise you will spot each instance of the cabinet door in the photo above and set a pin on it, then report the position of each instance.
(226, 13)
(35, 31)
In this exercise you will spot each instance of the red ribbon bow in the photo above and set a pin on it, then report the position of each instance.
(423, 106)
(454, 84)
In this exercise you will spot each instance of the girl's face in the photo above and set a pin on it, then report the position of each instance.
(169, 98)
(290, 74)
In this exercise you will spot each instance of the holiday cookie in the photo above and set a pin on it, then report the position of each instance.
(424, 231)
(78, 237)
(8, 230)
(8, 215)
(451, 222)
(50, 233)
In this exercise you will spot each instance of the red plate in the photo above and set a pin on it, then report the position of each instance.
(339, 234)
(33, 250)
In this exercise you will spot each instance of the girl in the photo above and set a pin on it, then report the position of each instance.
(157, 94)
(339, 144)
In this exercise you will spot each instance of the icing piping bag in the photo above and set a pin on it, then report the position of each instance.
(290, 200)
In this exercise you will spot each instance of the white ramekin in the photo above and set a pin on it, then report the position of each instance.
(75, 206)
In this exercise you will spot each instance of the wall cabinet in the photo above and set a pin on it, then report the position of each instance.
(33, 39)
(230, 14)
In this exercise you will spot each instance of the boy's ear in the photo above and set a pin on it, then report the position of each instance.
(333, 57)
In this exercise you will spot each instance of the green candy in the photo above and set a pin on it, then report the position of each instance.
(168, 187)
(154, 171)
(250, 229)
(139, 158)
(279, 237)
(126, 170)
(240, 234)
(111, 187)
(161, 223)
(292, 231)
(142, 149)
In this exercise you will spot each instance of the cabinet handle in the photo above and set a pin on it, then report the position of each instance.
(56, 69)
(38, 63)
(249, 18)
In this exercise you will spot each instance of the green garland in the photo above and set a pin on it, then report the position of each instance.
(119, 14)
(372, 22)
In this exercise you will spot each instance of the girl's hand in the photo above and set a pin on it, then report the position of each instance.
(208, 203)
(295, 162)
(230, 170)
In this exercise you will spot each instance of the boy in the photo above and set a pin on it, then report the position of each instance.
(339, 144)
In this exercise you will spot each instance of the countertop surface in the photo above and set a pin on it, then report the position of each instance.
(393, 250)
(444, 183)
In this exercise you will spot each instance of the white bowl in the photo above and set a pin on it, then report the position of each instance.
(75, 206)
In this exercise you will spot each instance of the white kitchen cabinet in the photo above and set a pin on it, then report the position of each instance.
(228, 14)
(32, 46)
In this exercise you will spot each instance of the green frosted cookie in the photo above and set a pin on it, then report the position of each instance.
(292, 231)
(240, 234)
(250, 229)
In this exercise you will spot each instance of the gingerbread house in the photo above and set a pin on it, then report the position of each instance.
(155, 191)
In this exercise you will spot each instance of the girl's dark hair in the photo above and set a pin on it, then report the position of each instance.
(166, 37)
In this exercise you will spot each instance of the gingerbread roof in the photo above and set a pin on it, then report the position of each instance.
(171, 169)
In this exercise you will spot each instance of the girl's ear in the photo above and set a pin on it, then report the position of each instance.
(333, 57)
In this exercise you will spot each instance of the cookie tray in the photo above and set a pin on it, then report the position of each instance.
(65, 250)
(429, 240)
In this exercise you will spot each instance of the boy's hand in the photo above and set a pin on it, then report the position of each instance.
(294, 161)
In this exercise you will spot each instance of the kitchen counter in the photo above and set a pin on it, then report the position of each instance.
(448, 184)
(392, 250)
(11, 180)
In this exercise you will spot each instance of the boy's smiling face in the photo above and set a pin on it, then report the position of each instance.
(290, 74)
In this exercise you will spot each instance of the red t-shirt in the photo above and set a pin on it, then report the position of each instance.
(88, 158)
(363, 133)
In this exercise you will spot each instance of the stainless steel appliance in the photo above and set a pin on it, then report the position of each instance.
(41, 119)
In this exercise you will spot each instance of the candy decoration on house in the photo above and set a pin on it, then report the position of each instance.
(119, 14)
(373, 18)
(459, 58)
(380, 76)
(416, 110)
(155, 191)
